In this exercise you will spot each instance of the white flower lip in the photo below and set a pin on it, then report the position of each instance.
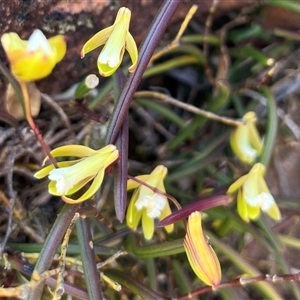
(267, 201)
(153, 204)
(105, 58)
(38, 40)
(61, 176)
(249, 151)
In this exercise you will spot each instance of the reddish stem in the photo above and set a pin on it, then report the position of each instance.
(32, 124)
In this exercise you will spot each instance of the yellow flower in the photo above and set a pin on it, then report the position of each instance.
(116, 38)
(146, 204)
(71, 176)
(254, 195)
(245, 140)
(33, 59)
(201, 255)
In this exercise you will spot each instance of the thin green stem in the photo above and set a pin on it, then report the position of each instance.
(272, 125)
(154, 250)
(28, 115)
(289, 241)
(73, 249)
(151, 273)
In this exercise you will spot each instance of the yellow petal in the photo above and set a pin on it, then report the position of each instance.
(274, 212)
(79, 151)
(166, 212)
(237, 184)
(133, 215)
(11, 42)
(124, 14)
(90, 192)
(132, 184)
(201, 256)
(52, 189)
(59, 46)
(71, 150)
(157, 176)
(96, 40)
(251, 191)
(242, 207)
(251, 187)
(31, 67)
(132, 50)
(253, 211)
(46, 170)
(148, 226)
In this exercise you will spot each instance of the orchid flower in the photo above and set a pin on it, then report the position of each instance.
(245, 140)
(73, 175)
(115, 39)
(33, 59)
(147, 204)
(253, 195)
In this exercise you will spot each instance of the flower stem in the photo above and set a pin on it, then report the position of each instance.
(31, 123)
(271, 128)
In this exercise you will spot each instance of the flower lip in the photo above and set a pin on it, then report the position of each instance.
(155, 204)
(37, 41)
(63, 185)
(267, 201)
